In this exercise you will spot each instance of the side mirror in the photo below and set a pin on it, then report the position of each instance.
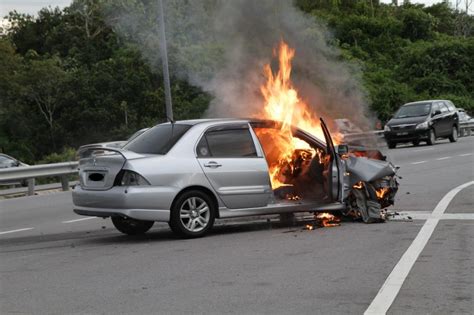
(437, 112)
(342, 149)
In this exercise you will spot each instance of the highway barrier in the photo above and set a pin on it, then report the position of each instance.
(29, 173)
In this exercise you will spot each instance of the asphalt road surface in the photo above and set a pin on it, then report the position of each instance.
(55, 262)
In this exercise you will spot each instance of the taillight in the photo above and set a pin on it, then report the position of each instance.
(130, 178)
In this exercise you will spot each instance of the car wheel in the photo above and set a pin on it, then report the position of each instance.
(416, 143)
(454, 135)
(391, 145)
(432, 138)
(192, 214)
(131, 226)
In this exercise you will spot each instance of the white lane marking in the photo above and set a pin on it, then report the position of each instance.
(458, 216)
(444, 158)
(389, 290)
(422, 215)
(419, 162)
(466, 154)
(427, 149)
(14, 231)
(77, 220)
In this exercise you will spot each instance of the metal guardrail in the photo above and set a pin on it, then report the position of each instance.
(62, 170)
(466, 128)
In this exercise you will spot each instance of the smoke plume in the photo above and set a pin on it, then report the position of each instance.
(222, 46)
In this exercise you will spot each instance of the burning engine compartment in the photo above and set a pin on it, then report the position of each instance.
(302, 175)
(301, 168)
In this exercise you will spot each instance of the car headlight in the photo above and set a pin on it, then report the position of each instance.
(129, 178)
(423, 125)
(386, 128)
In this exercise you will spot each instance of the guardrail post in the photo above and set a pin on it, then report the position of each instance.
(65, 182)
(31, 186)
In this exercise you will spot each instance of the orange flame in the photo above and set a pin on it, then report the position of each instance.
(382, 192)
(328, 220)
(283, 104)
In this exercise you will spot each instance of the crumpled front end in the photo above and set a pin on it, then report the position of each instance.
(373, 187)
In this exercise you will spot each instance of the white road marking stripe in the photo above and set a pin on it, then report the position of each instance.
(466, 154)
(444, 158)
(427, 149)
(419, 162)
(77, 220)
(458, 216)
(422, 215)
(389, 290)
(19, 230)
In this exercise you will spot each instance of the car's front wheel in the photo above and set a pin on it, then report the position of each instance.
(192, 214)
(131, 226)
(391, 145)
(416, 143)
(454, 135)
(431, 138)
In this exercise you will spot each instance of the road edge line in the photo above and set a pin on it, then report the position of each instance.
(14, 231)
(392, 285)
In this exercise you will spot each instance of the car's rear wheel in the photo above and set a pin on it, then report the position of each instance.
(192, 214)
(391, 145)
(416, 143)
(431, 138)
(131, 226)
(454, 135)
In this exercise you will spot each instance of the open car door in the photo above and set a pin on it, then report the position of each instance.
(333, 168)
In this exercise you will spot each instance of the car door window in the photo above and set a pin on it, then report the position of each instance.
(227, 143)
(451, 107)
(443, 108)
(435, 108)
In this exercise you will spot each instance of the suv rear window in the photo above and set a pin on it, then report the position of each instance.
(157, 140)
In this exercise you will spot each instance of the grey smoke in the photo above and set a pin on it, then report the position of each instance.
(222, 45)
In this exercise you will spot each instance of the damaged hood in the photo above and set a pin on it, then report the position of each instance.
(367, 170)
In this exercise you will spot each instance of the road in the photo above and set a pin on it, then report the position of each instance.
(54, 262)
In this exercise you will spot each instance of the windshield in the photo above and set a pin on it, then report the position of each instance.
(157, 140)
(416, 110)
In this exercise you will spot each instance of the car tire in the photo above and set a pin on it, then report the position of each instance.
(192, 214)
(131, 226)
(454, 134)
(431, 138)
(416, 143)
(391, 145)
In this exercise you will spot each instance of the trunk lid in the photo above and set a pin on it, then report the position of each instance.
(98, 167)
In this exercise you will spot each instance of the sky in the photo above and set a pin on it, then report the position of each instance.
(33, 6)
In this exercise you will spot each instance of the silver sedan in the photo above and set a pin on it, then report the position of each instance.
(189, 173)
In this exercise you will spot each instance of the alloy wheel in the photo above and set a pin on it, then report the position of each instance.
(194, 214)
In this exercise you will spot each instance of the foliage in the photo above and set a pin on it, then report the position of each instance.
(68, 79)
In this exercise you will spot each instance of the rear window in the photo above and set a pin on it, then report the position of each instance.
(157, 140)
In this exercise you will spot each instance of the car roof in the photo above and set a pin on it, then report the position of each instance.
(426, 101)
(209, 121)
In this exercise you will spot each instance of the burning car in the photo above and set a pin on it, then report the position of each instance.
(189, 173)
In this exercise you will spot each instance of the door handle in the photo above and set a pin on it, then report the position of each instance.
(212, 164)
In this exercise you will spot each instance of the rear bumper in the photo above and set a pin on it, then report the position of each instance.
(407, 136)
(139, 202)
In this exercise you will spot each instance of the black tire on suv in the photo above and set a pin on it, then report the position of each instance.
(432, 138)
(454, 134)
(391, 145)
